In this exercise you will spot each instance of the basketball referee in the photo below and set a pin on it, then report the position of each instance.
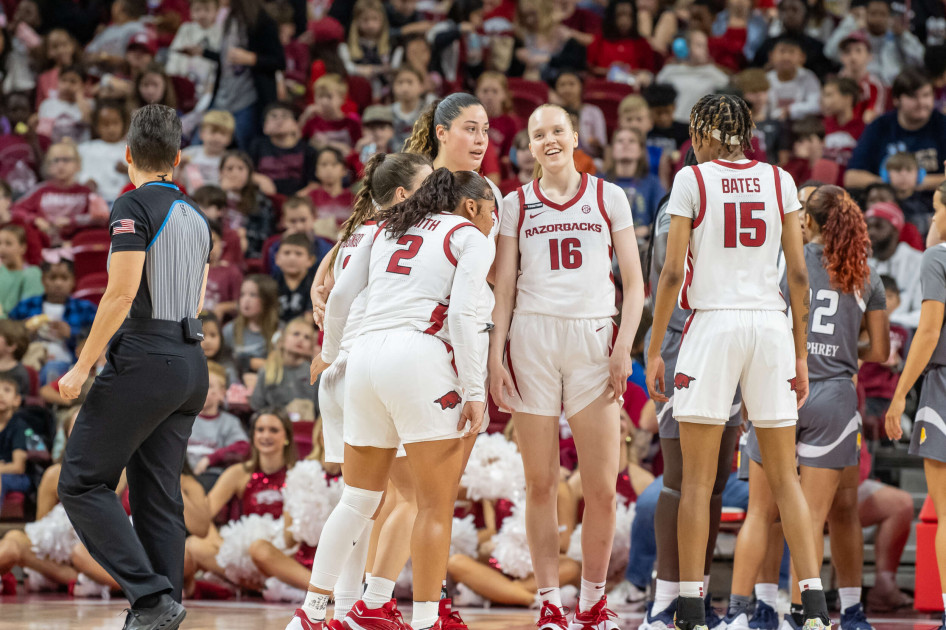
(139, 413)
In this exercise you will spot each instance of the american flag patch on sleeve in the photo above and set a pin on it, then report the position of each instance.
(123, 226)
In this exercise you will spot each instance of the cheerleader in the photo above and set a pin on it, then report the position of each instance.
(553, 263)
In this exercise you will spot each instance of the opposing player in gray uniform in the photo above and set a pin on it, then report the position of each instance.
(845, 291)
(660, 612)
(928, 352)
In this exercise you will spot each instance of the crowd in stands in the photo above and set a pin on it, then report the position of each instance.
(284, 101)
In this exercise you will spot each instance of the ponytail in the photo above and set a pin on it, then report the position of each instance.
(423, 138)
(844, 232)
(364, 206)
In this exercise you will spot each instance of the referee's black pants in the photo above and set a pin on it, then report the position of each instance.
(137, 417)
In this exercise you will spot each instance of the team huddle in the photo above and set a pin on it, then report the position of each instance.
(441, 291)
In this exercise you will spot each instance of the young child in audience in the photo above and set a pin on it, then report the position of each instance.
(903, 174)
(61, 206)
(299, 216)
(808, 153)
(855, 63)
(842, 128)
(298, 54)
(249, 212)
(127, 19)
(667, 133)
(769, 132)
(21, 148)
(213, 203)
(324, 122)
(14, 340)
(409, 90)
(154, 85)
(67, 113)
(215, 349)
(294, 273)
(795, 91)
(18, 280)
(223, 278)
(284, 380)
(280, 153)
(56, 319)
(200, 163)
(217, 439)
(592, 130)
(633, 113)
(202, 31)
(377, 133)
(13, 453)
(61, 50)
(492, 89)
(416, 53)
(367, 51)
(250, 335)
(140, 53)
(628, 168)
(104, 169)
(330, 196)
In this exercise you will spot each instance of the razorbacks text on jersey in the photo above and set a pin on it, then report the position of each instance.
(565, 249)
(430, 280)
(737, 209)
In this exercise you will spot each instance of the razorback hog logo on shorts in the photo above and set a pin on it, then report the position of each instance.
(449, 400)
(793, 382)
(682, 381)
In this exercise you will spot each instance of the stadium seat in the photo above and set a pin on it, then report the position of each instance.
(90, 252)
(607, 95)
(927, 591)
(186, 93)
(361, 92)
(527, 95)
(302, 436)
(91, 287)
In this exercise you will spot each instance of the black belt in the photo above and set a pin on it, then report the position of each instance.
(188, 329)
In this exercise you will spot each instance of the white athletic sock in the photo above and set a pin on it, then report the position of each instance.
(424, 615)
(850, 596)
(378, 593)
(691, 589)
(944, 600)
(814, 584)
(767, 593)
(341, 533)
(348, 588)
(552, 595)
(664, 594)
(591, 593)
(314, 606)
(706, 579)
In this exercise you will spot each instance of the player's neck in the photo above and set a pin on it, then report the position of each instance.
(733, 156)
(564, 183)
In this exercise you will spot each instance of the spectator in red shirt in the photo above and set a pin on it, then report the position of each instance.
(21, 148)
(842, 127)
(61, 206)
(298, 60)
(855, 59)
(493, 91)
(620, 44)
(324, 123)
(329, 195)
(579, 23)
(807, 160)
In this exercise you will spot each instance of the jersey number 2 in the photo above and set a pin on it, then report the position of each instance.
(751, 229)
(567, 255)
(413, 246)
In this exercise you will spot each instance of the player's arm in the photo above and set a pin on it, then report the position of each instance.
(352, 282)
(921, 350)
(800, 296)
(668, 287)
(877, 349)
(632, 281)
(505, 275)
(322, 286)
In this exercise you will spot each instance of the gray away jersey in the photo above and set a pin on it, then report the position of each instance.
(933, 287)
(835, 321)
(679, 316)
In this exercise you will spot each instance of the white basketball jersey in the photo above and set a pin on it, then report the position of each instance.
(361, 237)
(565, 249)
(737, 210)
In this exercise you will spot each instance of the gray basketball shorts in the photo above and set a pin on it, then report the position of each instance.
(828, 434)
(929, 429)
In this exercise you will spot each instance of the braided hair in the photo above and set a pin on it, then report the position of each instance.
(844, 232)
(441, 192)
(723, 117)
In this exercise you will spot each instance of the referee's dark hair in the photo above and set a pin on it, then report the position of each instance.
(154, 138)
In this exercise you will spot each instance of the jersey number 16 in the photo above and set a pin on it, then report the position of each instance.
(750, 228)
(565, 254)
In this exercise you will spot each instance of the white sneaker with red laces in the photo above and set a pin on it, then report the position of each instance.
(448, 619)
(301, 621)
(388, 617)
(552, 618)
(598, 618)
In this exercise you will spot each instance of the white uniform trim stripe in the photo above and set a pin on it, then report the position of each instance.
(812, 451)
(931, 417)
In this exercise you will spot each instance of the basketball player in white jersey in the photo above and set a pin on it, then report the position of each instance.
(728, 219)
(564, 350)
(414, 377)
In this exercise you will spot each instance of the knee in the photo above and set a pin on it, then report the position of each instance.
(600, 498)
(260, 551)
(455, 564)
(903, 504)
(364, 503)
(543, 488)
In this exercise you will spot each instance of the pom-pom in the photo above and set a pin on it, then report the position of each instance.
(620, 545)
(309, 500)
(36, 582)
(463, 537)
(276, 591)
(495, 470)
(511, 545)
(234, 555)
(574, 544)
(53, 537)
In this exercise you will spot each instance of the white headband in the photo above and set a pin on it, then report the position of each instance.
(733, 140)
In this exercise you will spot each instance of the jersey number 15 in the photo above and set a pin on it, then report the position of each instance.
(750, 228)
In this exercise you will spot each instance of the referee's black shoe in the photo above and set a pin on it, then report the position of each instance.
(167, 614)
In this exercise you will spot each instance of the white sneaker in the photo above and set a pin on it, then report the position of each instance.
(739, 622)
(87, 587)
(625, 594)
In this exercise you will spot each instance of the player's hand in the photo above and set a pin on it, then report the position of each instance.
(501, 387)
(801, 381)
(71, 384)
(894, 413)
(473, 412)
(619, 368)
(318, 366)
(319, 295)
(655, 379)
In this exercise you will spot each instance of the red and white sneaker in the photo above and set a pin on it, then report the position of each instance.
(448, 619)
(334, 624)
(388, 617)
(552, 617)
(598, 618)
(301, 621)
